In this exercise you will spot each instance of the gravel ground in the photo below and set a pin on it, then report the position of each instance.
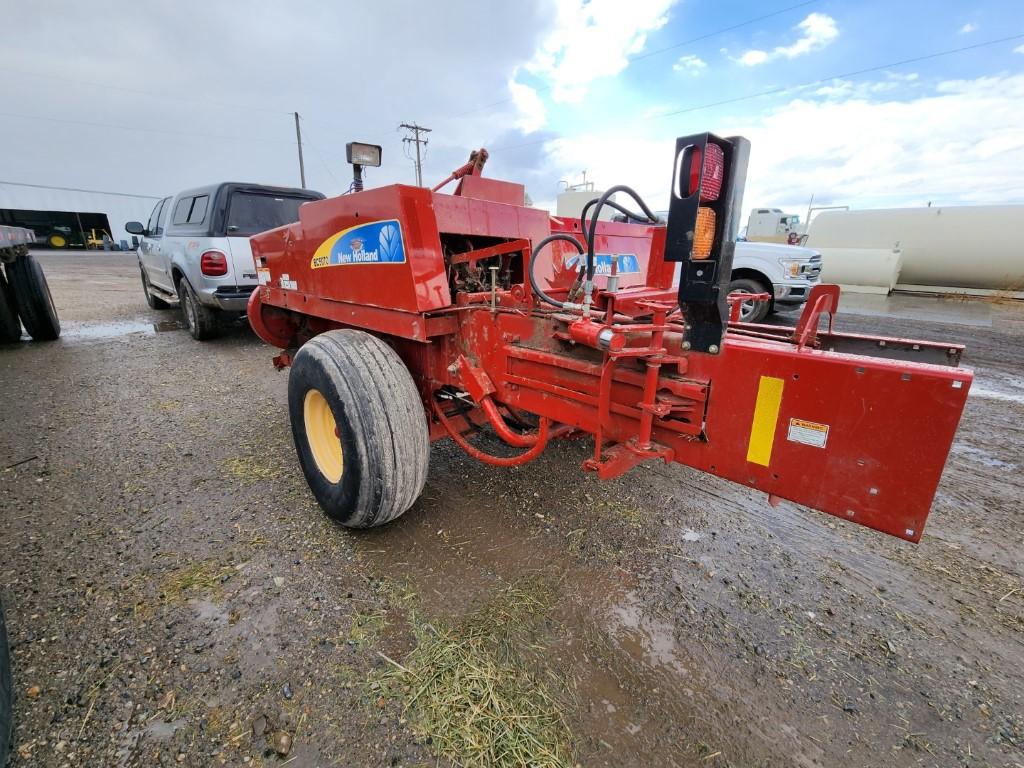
(175, 596)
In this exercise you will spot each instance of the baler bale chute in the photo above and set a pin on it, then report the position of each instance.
(410, 315)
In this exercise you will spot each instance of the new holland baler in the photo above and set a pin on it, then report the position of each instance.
(409, 315)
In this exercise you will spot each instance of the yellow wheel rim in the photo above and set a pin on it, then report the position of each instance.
(57, 241)
(322, 435)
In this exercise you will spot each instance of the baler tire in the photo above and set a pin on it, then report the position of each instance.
(203, 322)
(746, 285)
(10, 325)
(6, 692)
(32, 296)
(379, 421)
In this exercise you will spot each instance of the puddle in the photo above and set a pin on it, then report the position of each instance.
(1008, 389)
(102, 331)
(976, 454)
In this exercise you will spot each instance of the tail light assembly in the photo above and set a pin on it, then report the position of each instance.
(213, 263)
(704, 213)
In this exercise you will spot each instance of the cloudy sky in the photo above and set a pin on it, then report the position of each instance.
(869, 103)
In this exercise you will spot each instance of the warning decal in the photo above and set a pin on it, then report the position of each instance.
(807, 432)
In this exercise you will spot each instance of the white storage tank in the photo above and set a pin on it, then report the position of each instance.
(976, 247)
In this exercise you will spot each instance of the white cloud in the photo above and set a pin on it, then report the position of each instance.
(592, 39)
(967, 28)
(694, 65)
(531, 115)
(1019, 49)
(816, 31)
(960, 142)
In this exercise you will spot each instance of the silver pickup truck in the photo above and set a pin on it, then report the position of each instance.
(195, 248)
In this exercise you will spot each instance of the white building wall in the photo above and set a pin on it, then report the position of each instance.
(118, 207)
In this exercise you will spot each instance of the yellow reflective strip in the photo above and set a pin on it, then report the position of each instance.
(766, 415)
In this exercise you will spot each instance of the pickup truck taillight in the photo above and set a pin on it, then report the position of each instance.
(213, 264)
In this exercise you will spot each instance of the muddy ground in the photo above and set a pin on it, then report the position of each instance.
(175, 596)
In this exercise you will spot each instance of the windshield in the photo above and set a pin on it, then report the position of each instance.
(252, 212)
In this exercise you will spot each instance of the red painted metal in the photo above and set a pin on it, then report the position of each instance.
(793, 413)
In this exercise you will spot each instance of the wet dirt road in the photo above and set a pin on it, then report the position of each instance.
(175, 597)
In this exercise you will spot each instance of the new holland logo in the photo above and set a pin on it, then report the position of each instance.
(379, 242)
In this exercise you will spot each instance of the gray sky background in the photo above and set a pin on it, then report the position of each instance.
(208, 89)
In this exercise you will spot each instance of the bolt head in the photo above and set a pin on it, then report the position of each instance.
(713, 349)
(453, 368)
(686, 345)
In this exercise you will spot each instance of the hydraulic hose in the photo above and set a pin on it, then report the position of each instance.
(601, 202)
(611, 204)
(533, 260)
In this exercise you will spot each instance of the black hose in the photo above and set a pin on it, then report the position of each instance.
(601, 202)
(610, 204)
(533, 259)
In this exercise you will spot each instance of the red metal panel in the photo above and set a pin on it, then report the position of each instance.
(482, 188)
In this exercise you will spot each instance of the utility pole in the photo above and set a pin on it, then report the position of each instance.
(415, 139)
(298, 139)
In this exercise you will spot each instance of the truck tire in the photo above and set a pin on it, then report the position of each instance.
(203, 323)
(751, 311)
(32, 296)
(151, 300)
(359, 428)
(6, 692)
(10, 325)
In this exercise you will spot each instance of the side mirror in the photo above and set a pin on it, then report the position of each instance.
(135, 228)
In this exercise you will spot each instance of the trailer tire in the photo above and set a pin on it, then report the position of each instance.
(10, 325)
(153, 301)
(759, 310)
(203, 322)
(32, 296)
(359, 427)
(6, 692)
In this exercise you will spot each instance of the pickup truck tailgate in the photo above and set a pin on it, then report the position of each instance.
(242, 266)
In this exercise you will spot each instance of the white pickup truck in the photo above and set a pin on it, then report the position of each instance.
(785, 272)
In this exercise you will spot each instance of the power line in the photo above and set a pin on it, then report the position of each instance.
(819, 81)
(854, 73)
(143, 92)
(139, 128)
(76, 189)
(649, 54)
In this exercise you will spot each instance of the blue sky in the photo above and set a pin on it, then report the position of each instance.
(187, 93)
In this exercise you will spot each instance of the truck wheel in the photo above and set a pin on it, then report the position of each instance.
(750, 311)
(203, 322)
(10, 326)
(151, 300)
(32, 296)
(6, 692)
(359, 427)
(57, 241)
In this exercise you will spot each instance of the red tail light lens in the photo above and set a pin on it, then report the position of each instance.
(213, 264)
(714, 172)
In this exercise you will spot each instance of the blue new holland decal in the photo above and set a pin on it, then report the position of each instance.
(379, 242)
(628, 263)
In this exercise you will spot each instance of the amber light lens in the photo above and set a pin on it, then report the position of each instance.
(704, 233)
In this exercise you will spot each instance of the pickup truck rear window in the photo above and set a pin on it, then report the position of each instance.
(250, 212)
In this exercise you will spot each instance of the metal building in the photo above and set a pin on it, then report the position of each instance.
(67, 217)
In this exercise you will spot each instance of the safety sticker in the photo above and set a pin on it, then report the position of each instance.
(628, 264)
(263, 276)
(807, 432)
(287, 283)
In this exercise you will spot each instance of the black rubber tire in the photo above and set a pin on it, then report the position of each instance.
(6, 692)
(202, 322)
(10, 325)
(748, 285)
(32, 295)
(380, 421)
(153, 301)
